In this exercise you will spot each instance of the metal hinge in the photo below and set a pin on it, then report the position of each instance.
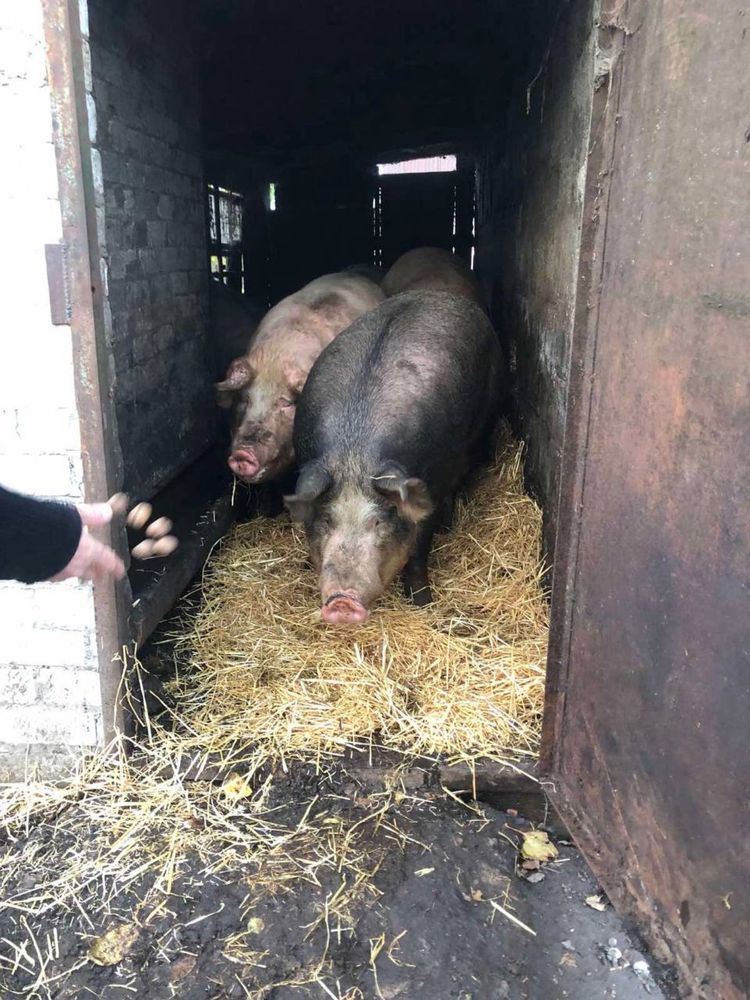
(56, 255)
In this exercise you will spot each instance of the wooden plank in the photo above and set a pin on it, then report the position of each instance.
(378, 768)
(364, 773)
(199, 504)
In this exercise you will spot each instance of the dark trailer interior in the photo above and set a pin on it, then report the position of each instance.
(598, 190)
(309, 112)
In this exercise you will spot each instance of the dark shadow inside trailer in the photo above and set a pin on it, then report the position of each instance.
(249, 135)
(244, 137)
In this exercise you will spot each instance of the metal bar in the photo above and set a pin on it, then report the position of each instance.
(99, 445)
(580, 385)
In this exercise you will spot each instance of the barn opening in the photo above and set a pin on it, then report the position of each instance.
(259, 146)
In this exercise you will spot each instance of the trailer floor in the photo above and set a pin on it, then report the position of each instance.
(424, 929)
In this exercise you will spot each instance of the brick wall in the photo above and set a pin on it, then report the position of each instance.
(145, 127)
(49, 682)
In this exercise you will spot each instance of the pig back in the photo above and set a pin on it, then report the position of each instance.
(316, 313)
(348, 293)
(416, 380)
(432, 269)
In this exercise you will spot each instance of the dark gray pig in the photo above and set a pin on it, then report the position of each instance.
(394, 414)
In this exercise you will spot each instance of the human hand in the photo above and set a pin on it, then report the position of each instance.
(93, 560)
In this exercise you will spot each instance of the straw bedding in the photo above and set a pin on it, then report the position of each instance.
(462, 678)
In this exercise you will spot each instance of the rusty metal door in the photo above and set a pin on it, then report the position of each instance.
(648, 715)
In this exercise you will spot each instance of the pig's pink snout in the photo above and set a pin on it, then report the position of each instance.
(244, 463)
(344, 609)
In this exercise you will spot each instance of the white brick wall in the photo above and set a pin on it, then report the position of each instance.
(73, 725)
(49, 684)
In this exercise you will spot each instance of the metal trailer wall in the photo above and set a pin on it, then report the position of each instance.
(613, 230)
(530, 188)
(648, 701)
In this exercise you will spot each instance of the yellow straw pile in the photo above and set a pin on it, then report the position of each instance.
(462, 678)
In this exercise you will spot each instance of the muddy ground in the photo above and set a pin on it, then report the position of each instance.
(383, 895)
(422, 927)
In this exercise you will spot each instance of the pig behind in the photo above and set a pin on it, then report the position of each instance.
(432, 269)
(395, 412)
(371, 271)
(263, 385)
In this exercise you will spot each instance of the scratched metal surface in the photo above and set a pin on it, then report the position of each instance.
(649, 688)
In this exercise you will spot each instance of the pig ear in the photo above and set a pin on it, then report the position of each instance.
(312, 483)
(408, 494)
(239, 375)
(296, 379)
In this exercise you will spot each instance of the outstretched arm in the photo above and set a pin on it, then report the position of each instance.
(45, 540)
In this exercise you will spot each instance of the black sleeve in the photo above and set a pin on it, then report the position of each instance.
(38, 538)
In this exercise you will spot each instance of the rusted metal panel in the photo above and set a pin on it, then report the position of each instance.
(649, 688)
(99, 445)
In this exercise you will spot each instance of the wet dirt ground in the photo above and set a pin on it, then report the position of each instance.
(422, 927)
(391, 895)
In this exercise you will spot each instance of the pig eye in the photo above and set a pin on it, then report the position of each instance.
(286, 403)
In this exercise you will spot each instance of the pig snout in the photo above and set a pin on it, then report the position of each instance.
(244, 463)
(344, 608)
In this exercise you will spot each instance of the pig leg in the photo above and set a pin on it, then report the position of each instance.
(445, 513)
(416, 583)
(484, 450)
